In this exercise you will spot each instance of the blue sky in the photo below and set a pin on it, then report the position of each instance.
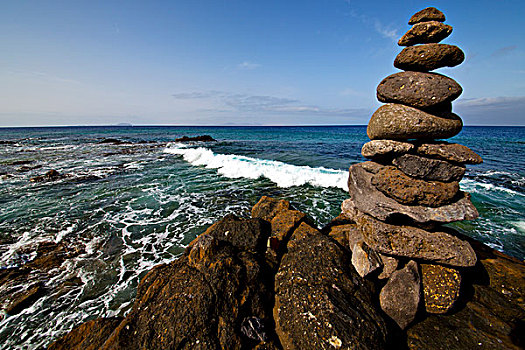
(241, 62)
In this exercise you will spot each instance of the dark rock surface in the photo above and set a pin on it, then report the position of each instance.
(51, 175)
(427, 57)
(370, 200)
(400, 122)
(378, 149)
(25, 299)
(417, 89)
(415, 243)
(492, 315)
(451, 152)
(407, 190)
(427, 14)
(320, 302)
(425, 33)
(202, 138)
(428, 168)
(400, 296)
(87, 336)
(441, 286)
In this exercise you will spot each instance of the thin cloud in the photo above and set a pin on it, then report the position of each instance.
(248, 65)
(503, 51)
(386, 31)
(503, 110)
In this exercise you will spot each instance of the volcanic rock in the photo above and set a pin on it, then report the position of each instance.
(399, 122)
(417, 89)
(441, 287)
(389, 266)
(385, 148)
(268, 207)
(425, 33)
(428, 14)
(90, 335)
(428, 168)
(452, 152)
(416, 243)
(25, 299)
(400, 296)
(320, 301)
(364, 259)
(427, 57)
(407, 190)
(370, 200)
(202, 138)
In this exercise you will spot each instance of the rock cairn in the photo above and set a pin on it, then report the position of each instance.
(400, 199)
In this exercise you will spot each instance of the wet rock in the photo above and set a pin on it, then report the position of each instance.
(400, 296)
(441, 287)
(427, 57)
(385, 148)
(407, 190)
(428, 168)
(112, 246)
(202, 138)
(25, 299)
(400, 122)
(316, 290)
(425, 33)
(87, 336)
(268, 207)
(389, 266)
(217, 295)
(417, 89)
(451, 152)
(370, 200)
(415, 243)
(51, 175)
(364, 259)
(245, 234)
(51, 255)
(427, 14)
(112, 141)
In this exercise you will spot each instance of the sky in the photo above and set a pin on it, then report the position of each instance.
(241, 62)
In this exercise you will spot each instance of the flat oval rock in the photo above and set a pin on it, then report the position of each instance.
(399, 122)
(425, 33)
(407, 190)
(428, 168)
(383, 148)
(427, 57)
(452, 152)
(428, 14)
(417, 89)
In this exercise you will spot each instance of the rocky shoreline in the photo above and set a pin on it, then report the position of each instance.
(275, 281)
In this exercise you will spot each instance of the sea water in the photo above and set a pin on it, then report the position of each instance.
(132, 205)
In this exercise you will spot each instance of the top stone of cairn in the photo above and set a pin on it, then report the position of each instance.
(428, 14)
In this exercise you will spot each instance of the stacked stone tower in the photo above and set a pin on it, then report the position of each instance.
(410, 188)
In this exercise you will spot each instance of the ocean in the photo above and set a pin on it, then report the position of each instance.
(132, 198)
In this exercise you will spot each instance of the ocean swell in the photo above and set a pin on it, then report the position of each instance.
(283, 174)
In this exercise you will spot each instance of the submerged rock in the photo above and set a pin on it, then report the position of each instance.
(202, 138)
(90, 335)
(400, 296)
(51, 175)
(25, 299)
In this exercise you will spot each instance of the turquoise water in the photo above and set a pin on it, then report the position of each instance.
(133, 205)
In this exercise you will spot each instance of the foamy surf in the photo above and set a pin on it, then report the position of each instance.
(283, 174)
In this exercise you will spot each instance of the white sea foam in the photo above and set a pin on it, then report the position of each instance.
(283, 174)
(475, 186)
(520, 225)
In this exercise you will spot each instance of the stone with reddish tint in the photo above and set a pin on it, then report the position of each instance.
(427, 57)
(427, 14)
(418, 89)
(452, 152)
(399, 122)
(400, 296)
(425, 33)
(410, 191)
